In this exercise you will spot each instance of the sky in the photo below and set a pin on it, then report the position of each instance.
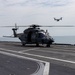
(41, 12)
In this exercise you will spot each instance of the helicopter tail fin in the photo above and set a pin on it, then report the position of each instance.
(15, 30)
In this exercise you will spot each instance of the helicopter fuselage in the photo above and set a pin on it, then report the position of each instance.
(35, 36)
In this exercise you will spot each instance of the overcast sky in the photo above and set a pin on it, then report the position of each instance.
(27, 12)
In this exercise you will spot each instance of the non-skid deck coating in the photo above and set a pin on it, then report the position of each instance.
(16, 66)
(61, 57)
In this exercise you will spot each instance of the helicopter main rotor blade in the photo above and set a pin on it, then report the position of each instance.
(59, 26)
(48, 26)
(14, 26)
(36, 25)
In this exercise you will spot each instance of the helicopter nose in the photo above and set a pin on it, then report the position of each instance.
(51, 39)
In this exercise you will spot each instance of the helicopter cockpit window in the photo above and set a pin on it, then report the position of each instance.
(40, 35)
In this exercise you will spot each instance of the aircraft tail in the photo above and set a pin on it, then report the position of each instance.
(15, 30)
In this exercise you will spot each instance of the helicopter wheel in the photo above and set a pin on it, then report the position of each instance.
(48, 45)
(23, 44)
(37, 44)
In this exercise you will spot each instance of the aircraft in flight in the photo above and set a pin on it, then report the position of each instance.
(58, 19)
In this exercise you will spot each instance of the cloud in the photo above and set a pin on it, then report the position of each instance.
(35, 2)
(53, 2)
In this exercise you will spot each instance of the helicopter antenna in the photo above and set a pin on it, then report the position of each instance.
(16, 27)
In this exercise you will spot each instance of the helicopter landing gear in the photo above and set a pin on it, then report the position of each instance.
(48, 45)
(23, 44)
(37, 44)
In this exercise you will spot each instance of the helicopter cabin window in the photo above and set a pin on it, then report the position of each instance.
(33, 35)
(40, 35)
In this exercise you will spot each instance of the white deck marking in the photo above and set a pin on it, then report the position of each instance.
(19, 51)
(28, 50)
(56, 52)
(47, 64)
(57, 59)
(46, 67)
(62, 49)
(7, 50)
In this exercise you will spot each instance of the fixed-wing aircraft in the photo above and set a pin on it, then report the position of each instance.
(58, 19)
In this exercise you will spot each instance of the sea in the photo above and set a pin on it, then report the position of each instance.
(57, 39)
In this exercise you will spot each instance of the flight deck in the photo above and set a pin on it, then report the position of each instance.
(27, 60)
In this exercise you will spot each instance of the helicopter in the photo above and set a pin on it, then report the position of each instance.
(58, 19)
(34, 35)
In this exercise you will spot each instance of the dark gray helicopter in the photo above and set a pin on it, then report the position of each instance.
(33, 35)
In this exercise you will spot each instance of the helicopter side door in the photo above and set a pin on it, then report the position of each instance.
(29, 36)
(34, 37)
